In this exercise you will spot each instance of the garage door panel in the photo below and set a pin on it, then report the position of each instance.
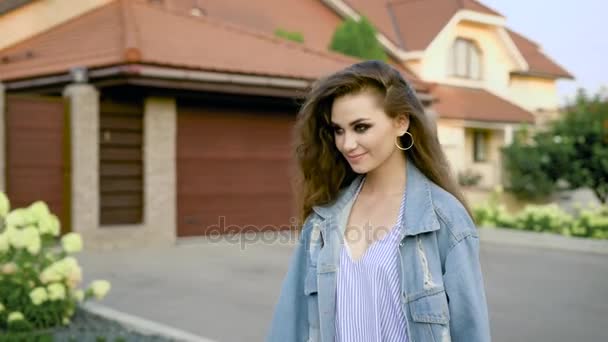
(233, 166)
(216, 215)
(240, 176)
(36, 161)
(39, 148)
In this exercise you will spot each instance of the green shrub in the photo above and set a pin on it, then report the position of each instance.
(589, 222)
(357, 39)
(39, 277)
(544, 218)
(592, 223)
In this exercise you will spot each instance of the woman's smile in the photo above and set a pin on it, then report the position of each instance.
(355, 158)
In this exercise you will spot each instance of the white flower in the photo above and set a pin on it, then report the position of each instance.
(5, 205)
(31, 239)
(55, 225)
(15, 316)
(18, 218)
(74, 278)
(45, 225)
(72, 243)
(38, 295)
(50, 274)
(38, 210)
(15, 236)
(56, 291)
(100, 288)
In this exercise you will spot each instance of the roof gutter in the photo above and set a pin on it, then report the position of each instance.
(79, 75)
(76, 75)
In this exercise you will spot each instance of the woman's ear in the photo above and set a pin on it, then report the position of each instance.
(402, 123)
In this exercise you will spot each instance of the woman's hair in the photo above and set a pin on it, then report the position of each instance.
(323, 171)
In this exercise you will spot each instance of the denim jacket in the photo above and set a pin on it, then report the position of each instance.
(443, 295)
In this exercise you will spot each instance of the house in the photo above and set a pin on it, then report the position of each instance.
(139, 124)
(141, 121)
(487, 79)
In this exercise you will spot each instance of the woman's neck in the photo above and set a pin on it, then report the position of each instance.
(387, 179)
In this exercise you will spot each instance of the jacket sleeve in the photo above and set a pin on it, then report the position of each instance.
(290, 319)
(464, 285)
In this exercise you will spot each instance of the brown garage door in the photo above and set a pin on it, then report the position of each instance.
(232, 170)
(37, 150)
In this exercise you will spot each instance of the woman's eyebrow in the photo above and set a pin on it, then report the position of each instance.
(352, 123)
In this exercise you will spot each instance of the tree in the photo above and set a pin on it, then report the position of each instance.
(584, 130)
(573, 149)
(357, 39)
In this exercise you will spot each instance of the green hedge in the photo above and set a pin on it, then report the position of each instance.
(591, 222)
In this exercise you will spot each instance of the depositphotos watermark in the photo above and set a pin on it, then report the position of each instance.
(287, 234)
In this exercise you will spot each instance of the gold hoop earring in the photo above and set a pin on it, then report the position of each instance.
(401, 148)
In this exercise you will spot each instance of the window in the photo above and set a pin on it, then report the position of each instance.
(466, 59)
(480, 146)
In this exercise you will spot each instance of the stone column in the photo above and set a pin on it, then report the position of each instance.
(84, 123)
(160, 121)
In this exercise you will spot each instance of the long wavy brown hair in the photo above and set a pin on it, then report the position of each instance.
(322, 171)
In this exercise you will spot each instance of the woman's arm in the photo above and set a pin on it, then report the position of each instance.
(464, 285)
(290, 318)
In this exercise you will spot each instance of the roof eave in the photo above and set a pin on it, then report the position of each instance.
(542, 74)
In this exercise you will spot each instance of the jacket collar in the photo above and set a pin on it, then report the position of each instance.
(418, 215)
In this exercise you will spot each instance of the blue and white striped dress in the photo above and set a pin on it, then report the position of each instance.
(368, 298)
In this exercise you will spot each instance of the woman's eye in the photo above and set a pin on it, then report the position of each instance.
(361, 128)
(338, 130)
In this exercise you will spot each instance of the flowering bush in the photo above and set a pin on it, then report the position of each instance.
(39, 277)
(589, 222)
(544, 218)
(492, 213)
(592, 222)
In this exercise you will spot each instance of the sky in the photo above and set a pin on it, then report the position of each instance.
(572, 33)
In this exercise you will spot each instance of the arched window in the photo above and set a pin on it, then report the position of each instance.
(465, 59)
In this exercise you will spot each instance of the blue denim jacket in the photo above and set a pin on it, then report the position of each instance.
(443, 295)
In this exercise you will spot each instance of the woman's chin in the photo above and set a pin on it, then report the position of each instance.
(359, 168)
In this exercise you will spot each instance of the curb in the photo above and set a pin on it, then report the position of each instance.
(142, 325)
(513, 237)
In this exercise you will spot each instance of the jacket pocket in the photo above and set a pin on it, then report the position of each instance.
(430, 315)
(431, 306)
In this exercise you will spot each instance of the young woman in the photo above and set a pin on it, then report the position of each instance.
(387, 250)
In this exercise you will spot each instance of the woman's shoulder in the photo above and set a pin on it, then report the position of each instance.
(451, 213)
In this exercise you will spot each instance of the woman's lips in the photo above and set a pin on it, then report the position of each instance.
(356, 158)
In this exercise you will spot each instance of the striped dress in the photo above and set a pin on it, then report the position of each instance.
(368, 298)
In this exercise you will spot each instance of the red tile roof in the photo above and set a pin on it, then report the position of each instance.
(538, 62)
(132, 31)
(412, 25)
(417, 23)
(476, 104)
(269, 15)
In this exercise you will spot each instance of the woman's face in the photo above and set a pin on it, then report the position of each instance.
(364, 133)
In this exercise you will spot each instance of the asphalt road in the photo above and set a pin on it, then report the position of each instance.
(226, 293)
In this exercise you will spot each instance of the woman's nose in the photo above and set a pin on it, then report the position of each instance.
(350, 141)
